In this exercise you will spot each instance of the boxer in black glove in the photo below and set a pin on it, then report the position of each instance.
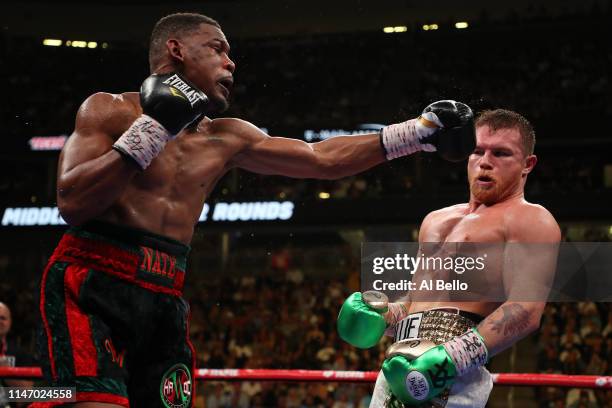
(444, 126)
(118, 272)
(169, 104)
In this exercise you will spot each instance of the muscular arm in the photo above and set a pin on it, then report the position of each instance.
(331, 159)
(529, 265)
(91, 175)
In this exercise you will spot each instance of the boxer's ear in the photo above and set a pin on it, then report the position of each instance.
(530, 162)
(175, 49)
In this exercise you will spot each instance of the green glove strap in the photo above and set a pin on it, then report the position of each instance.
(359, 324)
(414, 382)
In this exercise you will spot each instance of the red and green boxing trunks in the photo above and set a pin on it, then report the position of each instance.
(114, 324)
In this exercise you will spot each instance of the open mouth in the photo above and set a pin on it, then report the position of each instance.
(226, 84)
(485, 179)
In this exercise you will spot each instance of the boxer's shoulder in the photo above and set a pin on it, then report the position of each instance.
(233, 128)
(108, 103)
(441, 219)
(113, 113)
(450, 212)
(525, 210)
(530, 222)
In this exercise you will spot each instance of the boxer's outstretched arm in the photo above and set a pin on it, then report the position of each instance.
(333, 158)
(347, 155)
(92, 175)
(529, 266)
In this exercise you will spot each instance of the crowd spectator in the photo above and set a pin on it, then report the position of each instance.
(11, 355)
(582, 348)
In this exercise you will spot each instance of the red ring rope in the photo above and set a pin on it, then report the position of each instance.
(245, 374)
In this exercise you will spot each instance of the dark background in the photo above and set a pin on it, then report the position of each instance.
(326, 65)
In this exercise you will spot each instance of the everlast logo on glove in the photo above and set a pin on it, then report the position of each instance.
(177, 83)
(164, 115)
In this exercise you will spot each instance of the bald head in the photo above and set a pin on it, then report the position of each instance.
(5, 320)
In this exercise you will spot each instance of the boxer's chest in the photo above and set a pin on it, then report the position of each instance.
(487, 226)
(477, 237)
(191, 163)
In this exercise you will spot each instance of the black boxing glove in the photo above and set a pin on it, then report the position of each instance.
(457, 138)
(444, 126)
(169, 104)
(172, 100)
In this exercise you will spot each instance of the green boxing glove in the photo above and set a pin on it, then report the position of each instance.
(418, 370)
(360, 321)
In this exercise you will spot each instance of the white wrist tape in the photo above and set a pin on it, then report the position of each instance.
(402, 139)
(143, 141)
(467, 351)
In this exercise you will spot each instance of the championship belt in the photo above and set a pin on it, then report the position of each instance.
(437, 326)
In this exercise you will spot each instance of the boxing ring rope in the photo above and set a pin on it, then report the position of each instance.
(245, 374)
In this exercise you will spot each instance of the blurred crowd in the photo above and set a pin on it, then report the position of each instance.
(281, 321)
(575, 338)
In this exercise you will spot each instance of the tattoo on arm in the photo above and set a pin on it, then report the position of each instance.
(515, 320)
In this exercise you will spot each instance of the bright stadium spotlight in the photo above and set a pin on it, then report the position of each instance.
(324, 195)
(52, 42)
(461, 24)
(428, 27)
(92, 44)
(400, 29)
(78, 44)
(388, 30)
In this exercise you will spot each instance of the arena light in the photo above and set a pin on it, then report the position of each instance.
(92, 44)
(461, 24)
(78, 44)
(388, 30)
(324, 195)
(52, 42)
(428, 27)
(400, 29)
